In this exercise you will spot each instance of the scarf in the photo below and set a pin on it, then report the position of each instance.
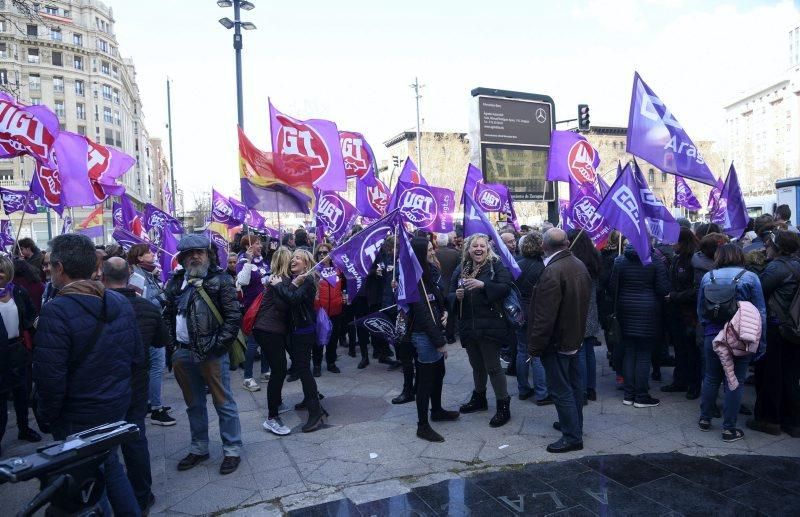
(147, 266)
(192, 283)
(7, 290)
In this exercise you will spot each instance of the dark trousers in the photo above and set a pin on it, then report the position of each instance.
(380, 347)
(638, 355)
(777, 376)
(405, 354)
(430, 378)
(566, 389)
(349, 331)
(688, 370)
(20, 408)
(137, 464)
(274, 347)
(300, 346)
(338, 327)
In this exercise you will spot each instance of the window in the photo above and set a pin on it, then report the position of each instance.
(82, 130)
(59, 108)
(67, 13)
(106, 92)
(2, 26)
(49, 9)
(58, 84)
(116, 96)
(663, 177)
(34, 83)
(33, 31)
(35, 102)
(3, 50)
(6, 175)
(80, 89)
(58, 59)
(107, 118)
(97, 116)
(102, 45)
(117, 139)
(3, 76)
(115, 72)
(77, 39)
(104, 67)
(117, 119)
(80, 111)
(33, 55)
(651, 176)
(55, 34)
(78, 62)
(109, 134)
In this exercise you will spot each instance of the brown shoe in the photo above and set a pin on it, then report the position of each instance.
(544, 402)
(191, 460)
(229, 464)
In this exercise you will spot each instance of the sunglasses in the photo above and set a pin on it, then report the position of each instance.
(322, 252)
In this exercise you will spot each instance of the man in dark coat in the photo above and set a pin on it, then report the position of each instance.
(556, 326)
(86, 350)
(203, 316)
(154, 333)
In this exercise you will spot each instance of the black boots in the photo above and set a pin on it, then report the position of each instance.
(503, 414)
(476, 403)
(316, 416)
(407, 395)
(425, 432)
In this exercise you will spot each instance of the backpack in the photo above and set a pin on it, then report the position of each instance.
(719, 300)
(790, 320)
(512, 306)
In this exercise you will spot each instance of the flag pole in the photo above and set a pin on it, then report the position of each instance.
(394, 254)
(425, 292)
(576, 238)
(21, 219)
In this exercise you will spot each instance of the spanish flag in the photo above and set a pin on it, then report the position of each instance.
(265, 188)
(92, 226)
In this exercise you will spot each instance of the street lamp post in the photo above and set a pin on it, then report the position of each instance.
(237, 25)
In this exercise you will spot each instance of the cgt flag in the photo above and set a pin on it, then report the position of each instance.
(92, 226)
(357, 154)
(335, 215)
(426, 207)
(475, 221)
(303, 147)
(356, 257)
(684, 197)
(372, 197)
(660, 223)
(733, 206)
(16, 201)
(622, 209)
(656, 136)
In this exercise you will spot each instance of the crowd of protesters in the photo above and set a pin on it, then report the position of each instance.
(88, 332)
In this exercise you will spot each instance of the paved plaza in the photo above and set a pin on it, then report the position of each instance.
(369, 452)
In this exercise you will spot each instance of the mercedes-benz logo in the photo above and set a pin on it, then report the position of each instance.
(541, 115)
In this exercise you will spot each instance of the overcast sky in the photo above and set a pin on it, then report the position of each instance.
(353, 61)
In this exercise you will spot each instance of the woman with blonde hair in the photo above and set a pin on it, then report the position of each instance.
(480, 284)
(270, 330)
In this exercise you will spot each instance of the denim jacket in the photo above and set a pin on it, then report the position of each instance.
(748, 289)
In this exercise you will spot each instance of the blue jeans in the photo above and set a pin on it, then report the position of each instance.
(137, 464)
(714, 376)
(426, 350)
(564, 383)
(636, 367)
(157, 363)
(525, 368)
(249, 357)
(193, 376)
(588, 364)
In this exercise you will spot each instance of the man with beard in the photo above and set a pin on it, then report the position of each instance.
(203, 317)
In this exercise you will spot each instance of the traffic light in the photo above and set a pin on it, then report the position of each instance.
(583, 117)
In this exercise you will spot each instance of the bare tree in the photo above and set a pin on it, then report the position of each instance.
(30, 13)
(202, 208)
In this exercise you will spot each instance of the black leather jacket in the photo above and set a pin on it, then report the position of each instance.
(207, 336)
(779, 283)
(300, 300)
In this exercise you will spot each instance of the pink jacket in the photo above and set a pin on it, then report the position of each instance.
(739, 337)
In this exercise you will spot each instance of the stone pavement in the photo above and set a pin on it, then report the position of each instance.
(369, 450)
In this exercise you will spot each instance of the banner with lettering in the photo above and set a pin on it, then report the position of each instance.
(426, 207)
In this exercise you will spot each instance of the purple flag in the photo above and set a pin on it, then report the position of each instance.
(735, 209)
(379, 326)
(660, 223)
(335, 215)
(572, 158)
(308, 147)
(563, 210)
(254, 220)
(6, 233)
(66, 226)
(167, 255)
(716, 204)
(426, 207)
(169, 201)
(276, 198)
(221, 244)
(582, 211)
(355, 257)
(409, 271)
(604, 187)
(132, 220)
(126, 239)
(357, 154)
(655, 135)
(116, 215)
(372, 196)
(327, 272)
(622, 208)
(30, 130)
(491, 197)
(239, 210)
(475, 221)
(411, 174)
(684, 197)
(226, 211)
(156, 218)
(16, 200)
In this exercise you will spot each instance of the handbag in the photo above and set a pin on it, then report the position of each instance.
(613, 330)
(251, 314)
(324, 327)
(237, 350)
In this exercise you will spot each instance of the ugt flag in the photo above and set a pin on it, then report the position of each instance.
(427, 208)
(302, 147)
(655, 135)
(622, 209)
(372, 197)
(409, 271)
(355, 257)
(16, 200)
(684, 197)
(660, 223)
(475, 221)
(491, 197)
(221, 245)
(335, 215)
(6, 233)
(155, 218)
(735, 218)
(29, 130)
(357, 154)
(225, 211)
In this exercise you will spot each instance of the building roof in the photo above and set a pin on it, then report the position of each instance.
(744, 97)
(412, 135)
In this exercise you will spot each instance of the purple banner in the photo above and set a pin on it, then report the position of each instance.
(156, 218)
(327, 272)
(167, 255)
(475, 221)
(409, 271)
(6, 233)
(411, 174)
(308, 147)
(656, 136)
(335, 215)
(735, 222)
(225, 211)
(132, 220)
(622, 208)
(582, 210)
(277, 198)
(379, 326)
(126, 239)
(491, 197)
(116, 215)
(684, 197)
(16, 201)
(372, 197)
(221, 244)
(357, 154)
(254, 220)
(716, 204)
(572, 159)
(426, 207)
(660, 223)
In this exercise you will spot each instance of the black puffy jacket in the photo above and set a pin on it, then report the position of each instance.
(300, 300)
(207, 336)
(15, 358)
(531, 271)
(641, 292)
(427, 319)
(779, 281)
(683, 293)
(479, 313)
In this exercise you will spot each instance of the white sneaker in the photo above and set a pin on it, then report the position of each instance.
(275, 426)
(265, 377)
(251, 385)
